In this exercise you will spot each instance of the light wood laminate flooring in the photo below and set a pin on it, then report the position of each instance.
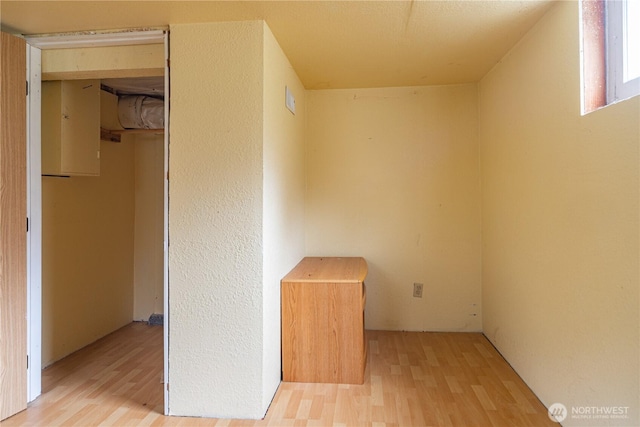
(411, 379)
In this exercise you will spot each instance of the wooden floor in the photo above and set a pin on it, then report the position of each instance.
(412, 379)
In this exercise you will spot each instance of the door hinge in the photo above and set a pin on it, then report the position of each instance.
(27, 82)
(27, 224)
(27, 361)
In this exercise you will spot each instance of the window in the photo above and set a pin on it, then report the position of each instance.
(623, 49)
(610, 51)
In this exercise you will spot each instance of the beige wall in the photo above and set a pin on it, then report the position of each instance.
(283, 197)
(215, 220)
(148, 278)
(87, 254)
(560, 225)
(102, 243)
(148, 255)
(392, 175)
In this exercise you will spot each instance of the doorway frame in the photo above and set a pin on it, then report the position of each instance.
(34, 187)
(34, 230)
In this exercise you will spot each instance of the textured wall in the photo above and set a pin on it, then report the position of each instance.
(87, 253)
(215, 220)
(560, 225)
(283, 195)
(393, 176)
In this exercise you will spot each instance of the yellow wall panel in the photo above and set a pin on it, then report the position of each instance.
(561, 259)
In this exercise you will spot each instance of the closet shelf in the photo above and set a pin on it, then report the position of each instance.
(114, 135)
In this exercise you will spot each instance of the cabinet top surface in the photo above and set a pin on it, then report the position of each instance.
(329, 269)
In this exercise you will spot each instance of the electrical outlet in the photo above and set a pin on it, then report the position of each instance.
(417, 290)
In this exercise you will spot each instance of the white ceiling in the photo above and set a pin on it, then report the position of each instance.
(331, 44)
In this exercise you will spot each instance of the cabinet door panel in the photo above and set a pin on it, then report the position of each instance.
(71, 128)
(81, 127)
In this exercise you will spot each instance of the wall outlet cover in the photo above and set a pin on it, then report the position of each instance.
(417, 290)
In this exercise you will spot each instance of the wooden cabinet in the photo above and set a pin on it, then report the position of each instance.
(323, 338)
(71, 127)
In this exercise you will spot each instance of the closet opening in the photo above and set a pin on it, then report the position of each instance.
(102, 219)
(102, 172)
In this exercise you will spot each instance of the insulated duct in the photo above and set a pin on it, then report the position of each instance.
(141, 112)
